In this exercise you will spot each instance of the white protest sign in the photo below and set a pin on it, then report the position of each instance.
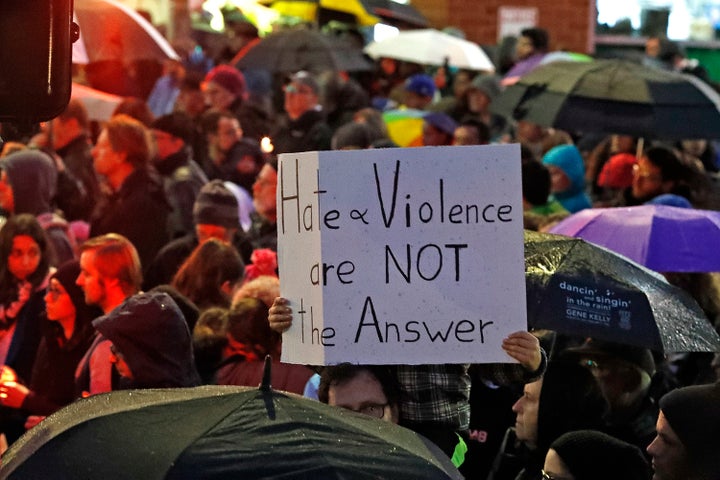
(401, 256)
(513, 20)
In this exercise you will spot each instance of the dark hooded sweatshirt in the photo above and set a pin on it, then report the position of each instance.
(149, 331)
(33, 178)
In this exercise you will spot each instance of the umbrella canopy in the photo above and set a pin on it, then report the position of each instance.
(303, 49)
(110, 30)
(219, 432)
(660, 237)
(562, 56)
(260, 16)
(366, 12)
(431, 47)
(578, 288)
(100, 105)
(614, 96)
(405, 126)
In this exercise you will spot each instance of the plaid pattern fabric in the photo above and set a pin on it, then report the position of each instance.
(435, 394)
(440, 394)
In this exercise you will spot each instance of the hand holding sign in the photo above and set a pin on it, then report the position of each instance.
(522, 346)
(401, 255)
(280, 315)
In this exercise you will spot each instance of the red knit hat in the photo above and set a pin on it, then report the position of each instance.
(228, 78)
(617, 171)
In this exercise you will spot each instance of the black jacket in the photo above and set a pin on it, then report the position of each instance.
(182, 180)
(138, 211)
(306, 134)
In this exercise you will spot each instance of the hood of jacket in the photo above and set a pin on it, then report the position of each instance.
(33, 178)
(568, 159)
(150, 332)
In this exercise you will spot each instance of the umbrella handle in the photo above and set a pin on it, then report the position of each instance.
(640, 146)
(267, 374)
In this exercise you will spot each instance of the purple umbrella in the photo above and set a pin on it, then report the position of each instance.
(660, 237)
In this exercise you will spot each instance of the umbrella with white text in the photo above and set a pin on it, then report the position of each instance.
(578, 288)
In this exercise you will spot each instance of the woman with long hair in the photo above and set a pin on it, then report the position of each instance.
(209, 275)
(24, 271)
(249, 340)
(67, 334)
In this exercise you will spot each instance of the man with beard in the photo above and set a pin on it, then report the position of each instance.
(231, 157)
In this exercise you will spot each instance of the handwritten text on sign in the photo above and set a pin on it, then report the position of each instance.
(401, 255)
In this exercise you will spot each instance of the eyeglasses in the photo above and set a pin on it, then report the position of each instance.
(375, 410)
(608, 365)
(591, 364)
(290, 88)
(645, 175)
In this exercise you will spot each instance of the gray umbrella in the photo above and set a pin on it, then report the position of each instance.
(219, 432)
(302, 49)
(614, 96)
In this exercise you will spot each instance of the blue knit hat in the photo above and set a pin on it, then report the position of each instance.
(421, 84)
(441, 121)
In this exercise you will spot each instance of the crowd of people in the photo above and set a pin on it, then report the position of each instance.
(140, 252)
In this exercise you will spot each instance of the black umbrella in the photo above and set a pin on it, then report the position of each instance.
(303, 49)
(578, 288)
(614, 96)
(219, 432)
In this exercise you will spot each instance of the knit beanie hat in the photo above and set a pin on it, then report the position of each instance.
(593, 455)
(228, 78)
(216, 205)
(487, 84)
(177, 124)
(617, 171)
(66, 274)
(694, 415)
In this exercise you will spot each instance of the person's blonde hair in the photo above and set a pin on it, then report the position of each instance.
(116, 257)
(130, 136)
(264, 287)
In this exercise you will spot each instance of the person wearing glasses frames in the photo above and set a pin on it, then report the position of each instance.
(435, 399)
(659, 171)
(368, 389)
(625, 375)
(305, 128)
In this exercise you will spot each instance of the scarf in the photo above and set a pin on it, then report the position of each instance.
(9, 313)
